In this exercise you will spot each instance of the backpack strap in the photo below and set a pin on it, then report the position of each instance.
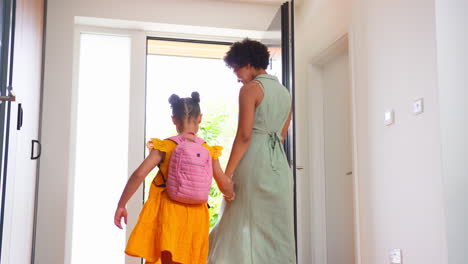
(181, 138)
(164, 179)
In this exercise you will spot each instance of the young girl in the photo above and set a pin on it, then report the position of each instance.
(168, 231)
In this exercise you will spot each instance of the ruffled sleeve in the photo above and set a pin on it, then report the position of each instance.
(156, 143)
(215, 151)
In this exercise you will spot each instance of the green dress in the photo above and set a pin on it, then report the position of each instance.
(258, 226)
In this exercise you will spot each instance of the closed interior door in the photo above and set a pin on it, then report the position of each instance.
(338, 161)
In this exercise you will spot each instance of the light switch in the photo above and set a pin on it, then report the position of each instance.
(389, 117)
(418, 106)
(395, 256)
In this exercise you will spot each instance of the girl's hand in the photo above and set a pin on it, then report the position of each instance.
(225, 183)
(119, 213)
(138, 176)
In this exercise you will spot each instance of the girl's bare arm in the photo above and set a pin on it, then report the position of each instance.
(135, 180)
(225, 184)
(139, 175)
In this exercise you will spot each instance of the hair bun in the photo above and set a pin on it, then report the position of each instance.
(173, 99)
(196, 97)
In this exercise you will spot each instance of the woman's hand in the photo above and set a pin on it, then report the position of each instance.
(119, 213)
(230, 198)
(228, 190)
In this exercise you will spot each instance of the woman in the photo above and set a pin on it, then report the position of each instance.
(257, 226)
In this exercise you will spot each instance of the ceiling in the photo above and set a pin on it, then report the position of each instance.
(264, 2)
(261, 2)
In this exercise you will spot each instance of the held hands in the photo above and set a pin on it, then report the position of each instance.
(230, 198)
(228, 192)
(119, 213)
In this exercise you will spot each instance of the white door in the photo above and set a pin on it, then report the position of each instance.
(338, 160)
(24, 147)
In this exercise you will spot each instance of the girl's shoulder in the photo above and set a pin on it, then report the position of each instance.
(215, 151)
(163, 145)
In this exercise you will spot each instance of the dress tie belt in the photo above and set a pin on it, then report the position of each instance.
(274, 140)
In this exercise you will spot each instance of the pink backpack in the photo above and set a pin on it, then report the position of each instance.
(190, 171)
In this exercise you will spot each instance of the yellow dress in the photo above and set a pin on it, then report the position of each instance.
(165, 225)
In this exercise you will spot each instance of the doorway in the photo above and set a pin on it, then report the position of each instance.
(135, 103)
(332, 152)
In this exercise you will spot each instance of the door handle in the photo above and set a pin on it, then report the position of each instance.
(19, 124)
(33, 143)
(10, 97)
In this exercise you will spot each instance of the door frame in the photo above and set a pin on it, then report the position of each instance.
(317, 148)
(137, 104)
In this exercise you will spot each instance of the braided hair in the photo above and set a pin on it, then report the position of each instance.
(185, 108)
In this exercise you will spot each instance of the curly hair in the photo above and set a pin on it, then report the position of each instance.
(246, 52)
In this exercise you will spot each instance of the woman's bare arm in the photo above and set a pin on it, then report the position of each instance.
(284, 132)
(249, 97)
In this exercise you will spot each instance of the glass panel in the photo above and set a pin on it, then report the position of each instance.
(101, 148)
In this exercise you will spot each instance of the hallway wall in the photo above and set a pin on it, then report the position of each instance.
(400, 171)
(394, 61)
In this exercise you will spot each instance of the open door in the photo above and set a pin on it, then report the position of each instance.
(7, 8)
(280, 39)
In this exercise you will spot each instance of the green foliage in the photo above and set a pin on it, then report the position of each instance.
(214, 201)
(212, 126)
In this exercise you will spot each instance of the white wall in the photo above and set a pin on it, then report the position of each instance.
(400, 173)
(394, 59)
(56, 127)
(452, 56)
(401, 194)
